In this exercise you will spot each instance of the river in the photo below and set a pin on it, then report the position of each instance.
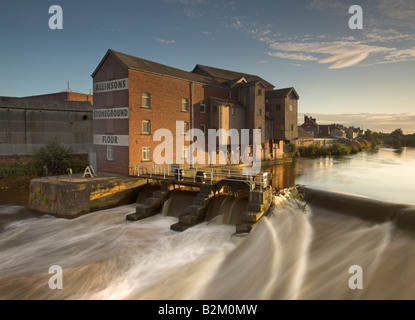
(290, 254)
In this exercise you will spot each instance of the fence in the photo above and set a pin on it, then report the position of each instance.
(210, 175)
(26, 149)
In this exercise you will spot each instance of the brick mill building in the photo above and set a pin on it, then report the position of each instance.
(134, 97)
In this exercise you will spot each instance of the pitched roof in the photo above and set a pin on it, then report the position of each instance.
(227, 74)
(281, 93)
(55, 105)
(135, 63)
(303, 134)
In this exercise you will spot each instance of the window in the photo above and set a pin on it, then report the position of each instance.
(185, 152)
(203, 128)
(145, 127)
(292, 127)
(259, 92)
(260, 112)
(202, 107)
(146, 100)
(215, 109)
(185, 127)
(233, 111)
(110, 153)
(291, 107)
(278, 108)
(185, 105)
(146, 154)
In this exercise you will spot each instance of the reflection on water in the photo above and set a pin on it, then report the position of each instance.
(382, 174)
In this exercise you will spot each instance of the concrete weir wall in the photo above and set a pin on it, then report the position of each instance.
(71, 197)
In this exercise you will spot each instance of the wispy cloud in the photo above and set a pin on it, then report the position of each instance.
(292, 56)
(342, 54)
(165, 41)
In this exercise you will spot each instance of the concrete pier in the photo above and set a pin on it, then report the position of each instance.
(70, 197)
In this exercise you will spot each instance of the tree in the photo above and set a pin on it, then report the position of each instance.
(398, 132)
(55, 157)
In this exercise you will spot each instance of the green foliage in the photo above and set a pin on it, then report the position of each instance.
(398, 132)
(295, 152)
(55, 157)
(338, 149)
(373, 137)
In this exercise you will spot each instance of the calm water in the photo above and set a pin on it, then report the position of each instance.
(384, 174)
(291, 254)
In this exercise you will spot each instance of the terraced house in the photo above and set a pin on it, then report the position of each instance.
(134, 97)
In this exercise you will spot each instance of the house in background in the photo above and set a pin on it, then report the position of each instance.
(304, 138)
(310, 126)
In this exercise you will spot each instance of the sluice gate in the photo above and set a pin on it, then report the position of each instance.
(209, 182)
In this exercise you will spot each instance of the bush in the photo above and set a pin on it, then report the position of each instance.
(338, 149)
(55, 157)
(294, 150)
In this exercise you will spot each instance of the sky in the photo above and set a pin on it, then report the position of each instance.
(359, 77)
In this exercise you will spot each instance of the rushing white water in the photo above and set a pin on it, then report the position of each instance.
(290, 254)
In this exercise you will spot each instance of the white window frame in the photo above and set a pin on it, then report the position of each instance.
(185, 152)
(202, 107)
(185, 105)
(110, 153)
(146, 154)
(148, 125)
(147, 98)
(185, 127)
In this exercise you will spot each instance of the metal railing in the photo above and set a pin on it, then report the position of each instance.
(208, 175)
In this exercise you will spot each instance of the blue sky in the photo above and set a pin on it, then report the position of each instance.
(355, 77)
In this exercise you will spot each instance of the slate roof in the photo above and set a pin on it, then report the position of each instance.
(135, 63)
(228, 74)
(55, 105)
(303, 134)
(281, 93)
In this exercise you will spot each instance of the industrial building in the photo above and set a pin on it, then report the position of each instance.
(26, 124)
(134, 97)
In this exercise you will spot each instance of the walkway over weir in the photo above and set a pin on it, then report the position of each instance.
(197, 176)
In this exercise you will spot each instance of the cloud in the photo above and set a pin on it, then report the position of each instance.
(292, 56)
(165, 41)
(342, 54)
(237, 25)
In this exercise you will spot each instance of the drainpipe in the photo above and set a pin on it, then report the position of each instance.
(192, 93)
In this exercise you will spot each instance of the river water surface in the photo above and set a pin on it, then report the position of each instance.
(290, 254)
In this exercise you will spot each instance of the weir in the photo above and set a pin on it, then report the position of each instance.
(210, 182)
